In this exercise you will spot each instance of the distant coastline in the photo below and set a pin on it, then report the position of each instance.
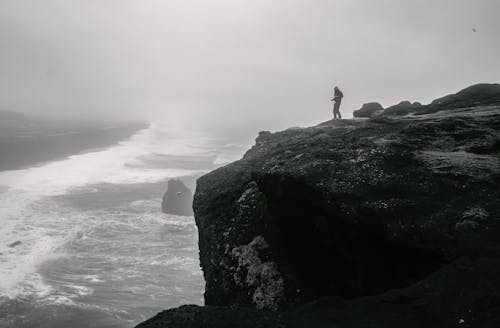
(34, 145)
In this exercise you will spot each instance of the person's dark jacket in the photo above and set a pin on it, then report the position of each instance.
(338, 95)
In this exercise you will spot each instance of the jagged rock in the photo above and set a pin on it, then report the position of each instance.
(343, 205)
(403, 108)
(387, 222)
(351, 208)
(472, 219)
(264, 276)
(178, 199)
(483, 94)
(368, 110)
(476, 95)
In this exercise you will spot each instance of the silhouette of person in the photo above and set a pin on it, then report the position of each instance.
(337, 97)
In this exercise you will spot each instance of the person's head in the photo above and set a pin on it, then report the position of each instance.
(336, 88)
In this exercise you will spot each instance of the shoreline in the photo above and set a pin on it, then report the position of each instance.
(23, 153)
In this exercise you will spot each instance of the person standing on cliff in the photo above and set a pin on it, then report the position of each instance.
(337, 97)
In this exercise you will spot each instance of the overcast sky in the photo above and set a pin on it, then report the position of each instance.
(243, 64)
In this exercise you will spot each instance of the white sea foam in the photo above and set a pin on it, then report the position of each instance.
(35, 242)
(118, 164)
(48, 231)
(92, 278)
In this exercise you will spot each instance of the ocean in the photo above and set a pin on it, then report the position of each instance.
(83, 242)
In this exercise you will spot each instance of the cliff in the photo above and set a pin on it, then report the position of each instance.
(388, 222)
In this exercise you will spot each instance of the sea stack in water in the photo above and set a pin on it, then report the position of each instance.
(178, 199)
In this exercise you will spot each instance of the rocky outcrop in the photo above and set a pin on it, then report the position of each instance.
(387, 222)
(403, 108)
(178, 199)
(482, 94)
(368, 110)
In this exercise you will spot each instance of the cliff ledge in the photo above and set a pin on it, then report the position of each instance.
(385, 222)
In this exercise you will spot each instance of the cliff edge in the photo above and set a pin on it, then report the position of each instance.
(387, 222)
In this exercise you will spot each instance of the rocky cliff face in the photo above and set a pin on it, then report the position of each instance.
(384, 222)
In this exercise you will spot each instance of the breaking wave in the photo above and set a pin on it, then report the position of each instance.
(59, 249)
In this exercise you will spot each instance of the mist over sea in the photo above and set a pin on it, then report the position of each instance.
(83, 242)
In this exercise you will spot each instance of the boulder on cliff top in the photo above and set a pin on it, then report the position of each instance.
(178, 199)
(368, 110)
(403, 108)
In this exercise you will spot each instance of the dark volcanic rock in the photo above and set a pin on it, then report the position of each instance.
(465, 293)
(403, 108)
(350, 209)
(192, 316)
(476, 95)
(387, 222)
(346, 209)
(368, 110)
(483, 94)
(178, 199)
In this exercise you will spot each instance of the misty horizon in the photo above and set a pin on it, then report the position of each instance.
(258, 65)
(249, 163)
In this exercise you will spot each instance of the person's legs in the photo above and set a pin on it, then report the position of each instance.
(336, 111)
